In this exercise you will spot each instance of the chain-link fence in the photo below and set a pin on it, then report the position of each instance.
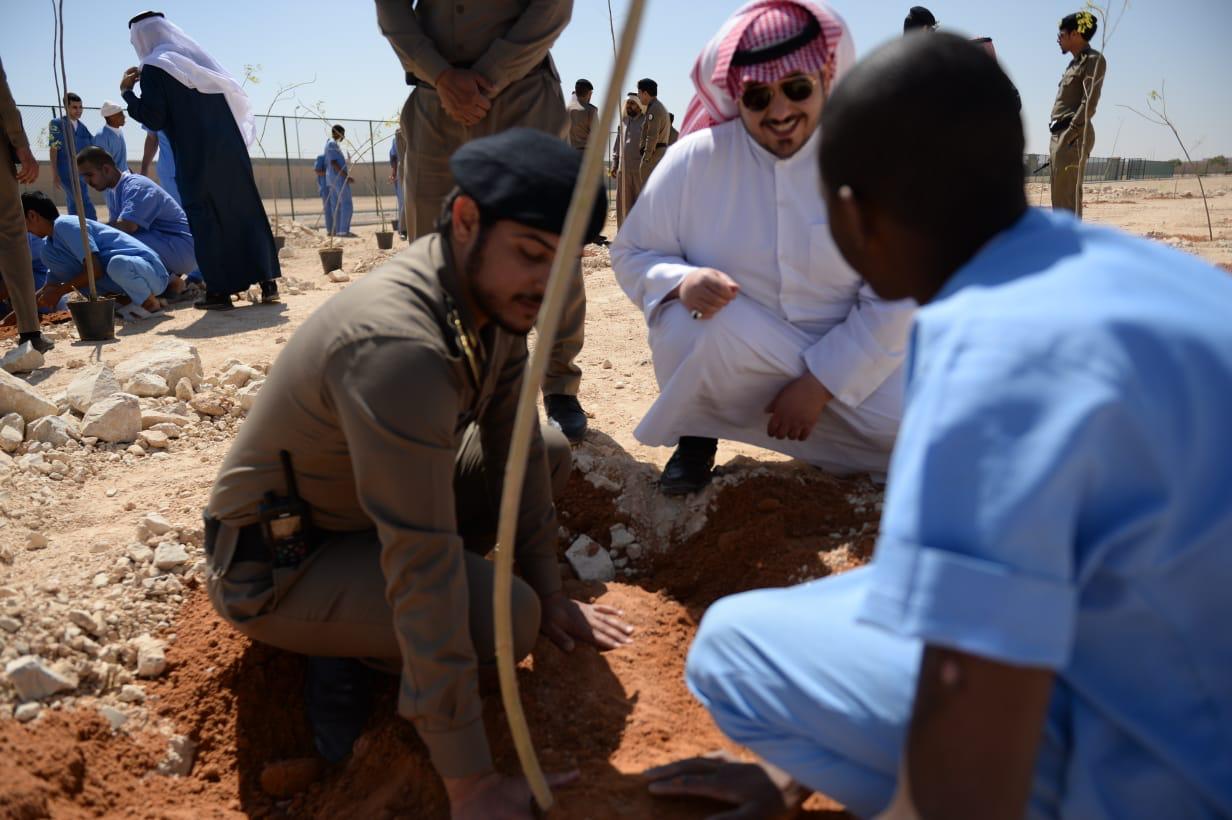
(287, 146)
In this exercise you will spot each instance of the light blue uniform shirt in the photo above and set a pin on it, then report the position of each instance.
(165, 163)
(319, 165)
(112, 141)
(161, 222)
(1060, 496)
(64, 258)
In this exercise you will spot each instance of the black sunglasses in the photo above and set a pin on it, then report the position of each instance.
(796, 89)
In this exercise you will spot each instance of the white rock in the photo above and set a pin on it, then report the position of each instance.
(621, 537)
(114, 419)
(208, 404)
(84, 620)
(239, 375)
(9, 624)
(153, 418)
(337, 275)
(140, 554)
(151, 657)
(27, 712)
(170, 555)
(130, 693)
(156, 524)
(93, 384)
(248, 395)
(135, 449)
(36, 541)
(147, 384)
(10, 439)
(21, 359)
(34, 680)
(184, 390)
(590, 561)
(153, 440)
(18, 397)
(179, 759)
(54, 430)
(173, 362)
(113, 716)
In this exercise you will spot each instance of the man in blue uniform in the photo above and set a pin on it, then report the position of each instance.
(143, 210)
(123, 266)
(338, 184)
(57, 141)
(1043, 629)
(110, 138)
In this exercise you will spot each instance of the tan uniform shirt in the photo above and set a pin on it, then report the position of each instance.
(1078, 92)
(371, 397)
(501, 39)
(581, 118)
(10, 115)
(656, 130)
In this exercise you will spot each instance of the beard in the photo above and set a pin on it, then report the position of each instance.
(485, 300)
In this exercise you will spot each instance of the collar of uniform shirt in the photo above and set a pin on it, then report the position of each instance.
(450, 277)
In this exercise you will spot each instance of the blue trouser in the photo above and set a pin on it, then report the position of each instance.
(791, 674)
(338, 206)
(66, 185)
(166, 180)
(135, 277)
(401, 209)
(176, 250)
(325, 209)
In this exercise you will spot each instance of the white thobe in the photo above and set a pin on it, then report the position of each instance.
(719, 200)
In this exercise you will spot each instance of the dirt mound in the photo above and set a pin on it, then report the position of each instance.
(47, 319)
(610, 716)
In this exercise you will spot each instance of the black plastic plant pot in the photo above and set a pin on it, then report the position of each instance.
(384, 240)
(331, 259)
(95, 320)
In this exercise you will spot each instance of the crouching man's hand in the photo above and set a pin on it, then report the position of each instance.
(495, 796)
(706, 291)
(566, 620)
(795, 410)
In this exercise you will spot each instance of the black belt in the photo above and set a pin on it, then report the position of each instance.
(1057, 126)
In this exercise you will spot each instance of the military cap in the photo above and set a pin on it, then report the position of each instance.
(525, 176)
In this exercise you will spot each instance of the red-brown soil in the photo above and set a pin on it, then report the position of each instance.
(609, 715)
(57, 318)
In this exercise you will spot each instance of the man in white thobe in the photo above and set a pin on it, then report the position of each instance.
(759, 330)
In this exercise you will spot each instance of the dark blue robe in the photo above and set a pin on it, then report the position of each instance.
(235, 246)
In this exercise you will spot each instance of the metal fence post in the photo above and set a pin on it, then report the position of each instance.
(286, 154)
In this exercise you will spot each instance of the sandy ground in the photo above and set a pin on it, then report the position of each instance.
(768, 522)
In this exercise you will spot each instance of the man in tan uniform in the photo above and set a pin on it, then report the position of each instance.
(582, 114)
(656, 128)
(478, 69)
(629, 174)
(352, 514)
(1073, 136)
(16, 269)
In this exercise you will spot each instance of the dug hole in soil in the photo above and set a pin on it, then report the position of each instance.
(609, 715)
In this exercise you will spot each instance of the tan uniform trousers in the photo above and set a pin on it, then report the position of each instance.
(15, 264)
(432, 136)
(1068, 166)
(334, 603)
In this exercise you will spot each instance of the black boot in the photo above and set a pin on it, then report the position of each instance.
(214, 301)
(338, 698)
(269, 292)
(689, 468)
(567, 413)
(37, 341)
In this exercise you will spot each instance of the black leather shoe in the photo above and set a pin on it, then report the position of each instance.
(567, 414)
(37, 341)
(690, 467)
(269, 292)
(338, 698)
(214, 301)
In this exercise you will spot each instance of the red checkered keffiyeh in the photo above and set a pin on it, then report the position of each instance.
(758, 24)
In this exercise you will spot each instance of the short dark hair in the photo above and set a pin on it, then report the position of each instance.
(41, 204)
(649, 86)
(445, 219)
(928, 129)
(338, 128)
(95, 156)
(1083, 22)
(70, 97)
(582, 86)
(919, 19)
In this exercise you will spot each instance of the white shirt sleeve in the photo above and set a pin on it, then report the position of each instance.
(856, 356)
(647, 256)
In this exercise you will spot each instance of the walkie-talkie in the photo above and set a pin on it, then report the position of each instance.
(286, 523)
